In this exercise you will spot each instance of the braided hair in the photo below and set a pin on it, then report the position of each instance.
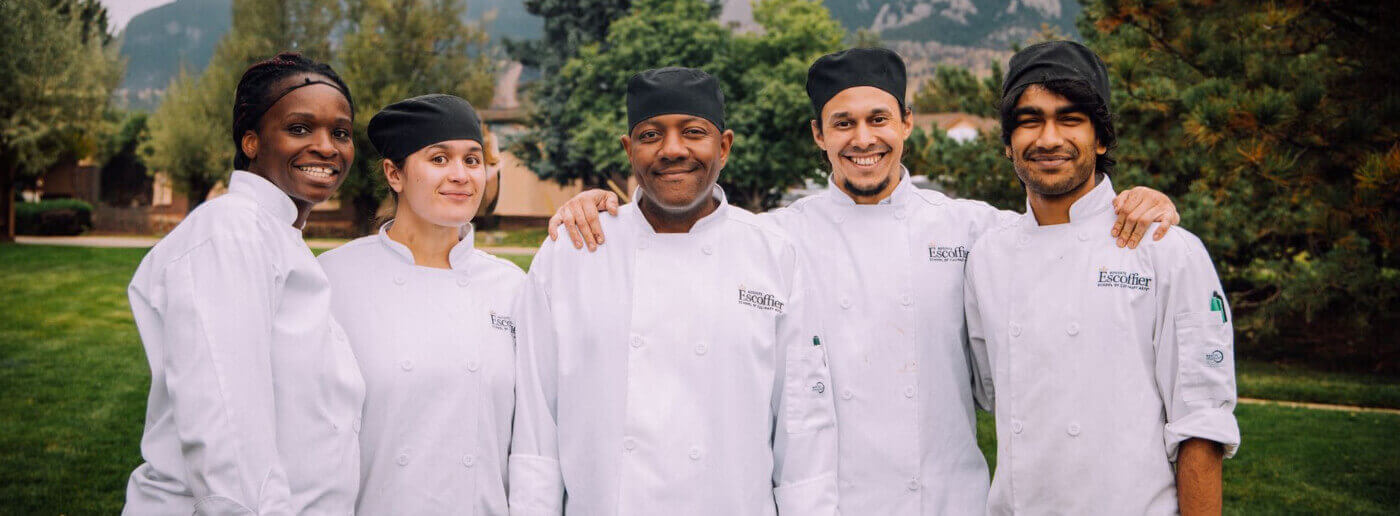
(256, 94)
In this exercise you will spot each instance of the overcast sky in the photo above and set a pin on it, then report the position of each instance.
(121, 11)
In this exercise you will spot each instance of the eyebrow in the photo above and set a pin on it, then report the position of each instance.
(302, 115)
(1031, 110)
(847, 114)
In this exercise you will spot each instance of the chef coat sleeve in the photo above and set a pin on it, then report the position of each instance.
(220, 297)
(535, 481)
(804, 438)
(975, 340)
(1195, 348)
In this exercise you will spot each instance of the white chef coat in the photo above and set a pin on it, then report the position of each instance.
(890, 278)
(1102, 360)
(254, 390)
(437, 348)
(672, 374)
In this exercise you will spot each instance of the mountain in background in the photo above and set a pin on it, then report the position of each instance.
(155, 43)
(967, 33)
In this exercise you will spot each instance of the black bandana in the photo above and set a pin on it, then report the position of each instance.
(876, 67)
(406, 126)
(1056, 60)
(674, 91)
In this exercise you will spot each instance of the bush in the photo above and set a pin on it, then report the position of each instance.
(53, 217)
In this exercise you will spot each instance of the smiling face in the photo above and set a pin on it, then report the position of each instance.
(862, 132)
(1053, 145)
(676, 160)
(441, 183)
(303, 142)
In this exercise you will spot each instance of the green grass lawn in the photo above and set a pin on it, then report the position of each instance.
(1294, 383)
(73, 382)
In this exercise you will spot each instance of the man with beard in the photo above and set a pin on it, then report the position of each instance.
(1106, 366)
(678, 370)
(889, 261)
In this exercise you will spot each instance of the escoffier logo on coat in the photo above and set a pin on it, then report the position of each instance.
(760, 300)
(503, 323)
(939, 253)
(1122, 279)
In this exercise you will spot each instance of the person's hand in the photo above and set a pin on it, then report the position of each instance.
(579, 216)
(1137, 209)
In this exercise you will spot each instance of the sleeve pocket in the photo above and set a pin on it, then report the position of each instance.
(806, 386)
(1205, 357)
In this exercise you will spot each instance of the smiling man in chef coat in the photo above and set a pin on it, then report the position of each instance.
(889, 258)
(1107, 366)
(678, 370)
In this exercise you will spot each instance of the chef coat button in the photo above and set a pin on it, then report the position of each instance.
(473, 365)
(707, 249)
(906, 300)
(839, 219)
(636, 341)
(1016, 426)
(398, 280)
(1083, 236)
(468, 460)
(356, 424)
(694, 453)
(407, 365)
(1023, 240)
(701, 348)
(1073, 430)
(629, 444)
(845, 303)
(846, 394)
(335, 427)
(1073, 329)
(914, 484)
(403, 459)
(1015, 330)
(462, 282)
(899, 214)
(909, 391)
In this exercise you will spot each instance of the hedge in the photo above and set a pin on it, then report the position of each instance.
(53, 217)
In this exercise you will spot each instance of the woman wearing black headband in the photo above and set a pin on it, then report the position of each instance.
(255, 395)
(429, 319)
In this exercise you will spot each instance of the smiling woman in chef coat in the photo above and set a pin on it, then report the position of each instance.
(254, 390)
(427, 315)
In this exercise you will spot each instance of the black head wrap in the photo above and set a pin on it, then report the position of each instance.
(408, 125)
(262, 85)
(876, 67)
(1056, 60)
(674, 91)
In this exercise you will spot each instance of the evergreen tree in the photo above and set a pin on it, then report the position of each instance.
(568, 26)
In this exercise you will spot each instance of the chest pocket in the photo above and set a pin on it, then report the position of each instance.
(1205, 357)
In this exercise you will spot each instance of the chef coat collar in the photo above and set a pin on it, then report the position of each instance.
(1093, 203)
(268, 196)
(901, 193)
(457, 258)
(704, 222)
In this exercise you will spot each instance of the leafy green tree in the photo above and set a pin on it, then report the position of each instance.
(955, 89)
(568, 26)
(124, 178)
(187, 142)
(761, 73)
(58, 75)
(396, 50)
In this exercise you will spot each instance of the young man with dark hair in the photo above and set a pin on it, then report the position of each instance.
(1106, 366)
(678, 370)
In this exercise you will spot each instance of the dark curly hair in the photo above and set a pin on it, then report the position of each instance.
(1080, 94)
(255, 93)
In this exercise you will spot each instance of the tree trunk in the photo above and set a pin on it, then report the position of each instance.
(366, 207)
(7, 203)
(197, 191)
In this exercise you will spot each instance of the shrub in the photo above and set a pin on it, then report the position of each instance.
(53, 217)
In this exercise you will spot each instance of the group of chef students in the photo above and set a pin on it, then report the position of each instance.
(822, 358)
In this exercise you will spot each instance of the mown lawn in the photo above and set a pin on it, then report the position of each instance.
(73, 382)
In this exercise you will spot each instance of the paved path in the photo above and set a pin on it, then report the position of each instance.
(148, 241)
(1319, 406)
